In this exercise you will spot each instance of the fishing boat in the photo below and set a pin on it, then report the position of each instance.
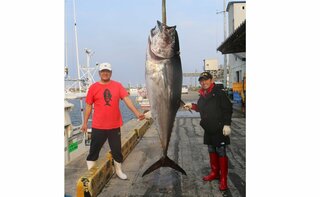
(144, 104)
(142, 99)
(76, 142)
(133, 91)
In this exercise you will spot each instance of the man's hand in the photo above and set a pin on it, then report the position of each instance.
(226, 130)
(84, 128)
(187, 106)
(140, 116)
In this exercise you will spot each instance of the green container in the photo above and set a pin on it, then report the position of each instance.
(73, 146)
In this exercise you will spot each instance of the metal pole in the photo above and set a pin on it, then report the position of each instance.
(225, 37)
(164, 15)
(88, 60)
(76, 39)
(195, 80)
(77, 58)
(66, 38)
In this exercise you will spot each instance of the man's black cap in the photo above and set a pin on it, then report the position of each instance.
(205, 75)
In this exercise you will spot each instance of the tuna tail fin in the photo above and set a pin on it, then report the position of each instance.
(164, 161)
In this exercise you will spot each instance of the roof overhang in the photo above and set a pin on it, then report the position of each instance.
(236, 42)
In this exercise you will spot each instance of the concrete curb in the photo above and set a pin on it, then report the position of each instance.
(92, 182)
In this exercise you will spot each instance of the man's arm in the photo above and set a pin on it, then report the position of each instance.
(130, 105)
(192, 106)
(227, 109)
(86, 117)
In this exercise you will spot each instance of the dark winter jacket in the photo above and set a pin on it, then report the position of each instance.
(215, 111)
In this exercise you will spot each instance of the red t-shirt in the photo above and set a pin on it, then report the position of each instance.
(105, 99)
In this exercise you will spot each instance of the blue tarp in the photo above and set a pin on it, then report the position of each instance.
(236, 97)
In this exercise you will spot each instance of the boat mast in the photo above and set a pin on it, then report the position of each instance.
(77, 50)
(88, 70)
(66, 44)
(77, 58)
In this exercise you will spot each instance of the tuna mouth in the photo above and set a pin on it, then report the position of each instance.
(164, 52)
(152, 53)
(162, 41)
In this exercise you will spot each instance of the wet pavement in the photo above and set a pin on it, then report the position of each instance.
(186, 148)
(75, 169)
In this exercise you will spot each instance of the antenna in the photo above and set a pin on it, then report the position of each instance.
(89, 53)
(88, 72)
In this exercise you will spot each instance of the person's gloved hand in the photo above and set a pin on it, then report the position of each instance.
(187, 106)
(226, 130)
(148, 115)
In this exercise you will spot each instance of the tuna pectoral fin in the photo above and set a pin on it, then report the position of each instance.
(164, 162)
(182, 104)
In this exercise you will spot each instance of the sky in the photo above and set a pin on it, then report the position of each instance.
(117, 32)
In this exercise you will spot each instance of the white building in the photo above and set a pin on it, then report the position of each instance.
(212, 66)
(236, 61)
(234, 46)
(236, 14)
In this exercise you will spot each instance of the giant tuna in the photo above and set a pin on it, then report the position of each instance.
(164, 80)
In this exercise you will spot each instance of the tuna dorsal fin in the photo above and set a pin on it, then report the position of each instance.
(164, 161)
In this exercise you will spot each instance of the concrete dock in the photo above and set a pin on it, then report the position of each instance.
(186, 148)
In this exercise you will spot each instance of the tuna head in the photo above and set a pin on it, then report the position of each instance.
(163, 41)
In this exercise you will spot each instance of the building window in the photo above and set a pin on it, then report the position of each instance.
(238, 76)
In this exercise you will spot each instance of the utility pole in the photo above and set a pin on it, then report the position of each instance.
(225, 70)
(224, 37)
(195, 79)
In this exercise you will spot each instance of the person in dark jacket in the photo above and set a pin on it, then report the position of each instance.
(215, 111)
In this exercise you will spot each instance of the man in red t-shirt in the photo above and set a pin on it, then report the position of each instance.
(106, 119)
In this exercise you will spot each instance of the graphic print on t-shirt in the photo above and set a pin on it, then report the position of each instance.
(107, 96)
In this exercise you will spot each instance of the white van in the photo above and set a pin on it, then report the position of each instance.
(184, 89)
(219, 84)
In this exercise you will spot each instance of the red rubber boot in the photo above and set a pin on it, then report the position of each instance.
(214, 163)
(223, 162)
